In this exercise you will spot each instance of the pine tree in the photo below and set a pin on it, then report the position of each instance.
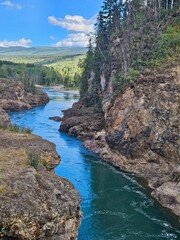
(101, 35)
(87, 66)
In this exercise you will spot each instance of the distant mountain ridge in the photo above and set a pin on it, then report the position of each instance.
(40, 51)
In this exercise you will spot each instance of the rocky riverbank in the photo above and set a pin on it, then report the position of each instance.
(34, 203)
(15, 97)
(137, 131)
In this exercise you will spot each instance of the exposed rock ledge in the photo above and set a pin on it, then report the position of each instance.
(14, 97)
(138, 132)
(34, 203)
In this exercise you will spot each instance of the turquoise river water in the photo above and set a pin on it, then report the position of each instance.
(114, 205)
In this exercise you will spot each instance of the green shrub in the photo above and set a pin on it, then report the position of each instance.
(167, 47)
(33, 160)
(132, 75)
(121, 81)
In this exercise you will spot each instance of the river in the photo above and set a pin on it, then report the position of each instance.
(114, 205)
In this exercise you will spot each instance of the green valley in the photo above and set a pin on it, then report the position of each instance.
(42, 65)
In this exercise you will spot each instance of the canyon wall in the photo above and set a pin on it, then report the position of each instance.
(138, 131)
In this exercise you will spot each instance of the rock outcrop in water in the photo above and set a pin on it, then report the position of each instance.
(56, 118)
(138, 132)
(81, 121)
(14, 96)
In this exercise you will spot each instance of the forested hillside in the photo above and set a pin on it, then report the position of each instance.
(130, 36)
(63, 72)
(42, 65)
(41, 51)
(29, 74)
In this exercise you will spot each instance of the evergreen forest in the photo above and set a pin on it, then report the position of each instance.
(130, 36)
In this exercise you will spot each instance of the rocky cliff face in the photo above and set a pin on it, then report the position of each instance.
(14, 97)
(138, 131)
(34, 203)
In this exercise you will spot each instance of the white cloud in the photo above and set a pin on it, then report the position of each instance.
(74, 40)
(74, 23)
(10, 4)
(52, 38)
(20, 43)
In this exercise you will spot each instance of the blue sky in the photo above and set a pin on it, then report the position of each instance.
(47, 22)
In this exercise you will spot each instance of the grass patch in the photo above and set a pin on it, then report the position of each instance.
(2, 171)
(2, 189)
(20, 129)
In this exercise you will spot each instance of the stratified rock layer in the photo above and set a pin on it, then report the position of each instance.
(139, 131)
(81, 121)
(34, 203)
(14, 97)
